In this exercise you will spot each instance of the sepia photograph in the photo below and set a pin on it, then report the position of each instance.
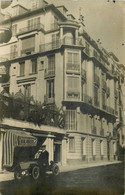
(62, 97)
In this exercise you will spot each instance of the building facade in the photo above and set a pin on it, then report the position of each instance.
(53, 59)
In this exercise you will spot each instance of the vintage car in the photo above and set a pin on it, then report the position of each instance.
(34, 170)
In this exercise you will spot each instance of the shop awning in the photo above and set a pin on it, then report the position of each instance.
(15, 138)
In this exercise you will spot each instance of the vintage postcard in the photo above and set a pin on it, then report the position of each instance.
(62, 97)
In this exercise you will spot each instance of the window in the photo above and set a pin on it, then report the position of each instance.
(84, 146)
(73, 83)
(27, 90)
(13, 51)
(71, 144)
(14, 29)
(71, 123)
(73, 58)
(51, 63)
(55, 41)
(22, 68)
(33, 23)
(104, 99)
(101, 148)
(93, 147)
(50, 88)
(28, 44)
(34, 66)
(96, 96)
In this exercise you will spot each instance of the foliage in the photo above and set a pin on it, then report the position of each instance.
(22, 109)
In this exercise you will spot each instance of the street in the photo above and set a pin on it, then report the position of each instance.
(102, 180)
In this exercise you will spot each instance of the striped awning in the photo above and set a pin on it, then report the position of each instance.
(15, 138)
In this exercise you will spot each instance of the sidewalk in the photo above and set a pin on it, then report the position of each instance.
(8, 176)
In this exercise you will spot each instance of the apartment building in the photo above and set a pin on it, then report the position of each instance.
(53, 59)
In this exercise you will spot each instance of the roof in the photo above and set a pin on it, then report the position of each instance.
(62, 6)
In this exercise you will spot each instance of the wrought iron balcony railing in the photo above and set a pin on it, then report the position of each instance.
(49, 73)
(8, 56)
(58, 43)
(73, 94)
(27, 51)
(71, 67)
(31, 28)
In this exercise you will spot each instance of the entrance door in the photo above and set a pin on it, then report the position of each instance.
(57, 153)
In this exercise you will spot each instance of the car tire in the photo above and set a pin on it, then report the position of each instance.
(17, 175)
(35, 172)
(55, 170)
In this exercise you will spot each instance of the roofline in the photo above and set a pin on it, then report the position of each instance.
(62, 6)
(31, 12)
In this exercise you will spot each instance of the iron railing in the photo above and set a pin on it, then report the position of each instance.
(31, 28)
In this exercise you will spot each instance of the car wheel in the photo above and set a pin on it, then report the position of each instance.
(55, 170)
(17, 175)
(35, 172)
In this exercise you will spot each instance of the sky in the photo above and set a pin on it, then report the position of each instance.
(103, 20)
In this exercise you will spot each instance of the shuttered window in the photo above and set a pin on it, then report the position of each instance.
(71, 123)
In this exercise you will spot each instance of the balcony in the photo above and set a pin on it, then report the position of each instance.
(102, 132)
(48, 100)
(49, 73)
(108, 91)
(27, 51)
(98, 58)
(13, 55)
(9, 56)
(83, 74)
(93, 130)
(73, 68)
(110, 110)
(73, 94)
(96, 80)
(87, 99)
(104, 86)
(31, 28)
(58, 43)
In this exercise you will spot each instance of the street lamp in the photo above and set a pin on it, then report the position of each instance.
(5, 23)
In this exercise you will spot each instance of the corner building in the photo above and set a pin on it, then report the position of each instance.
(53, 59)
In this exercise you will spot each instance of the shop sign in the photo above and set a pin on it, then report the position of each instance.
(26, 141)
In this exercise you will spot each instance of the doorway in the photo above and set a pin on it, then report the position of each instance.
(57, 153)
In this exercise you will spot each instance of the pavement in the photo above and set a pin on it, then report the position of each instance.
(8, 176)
